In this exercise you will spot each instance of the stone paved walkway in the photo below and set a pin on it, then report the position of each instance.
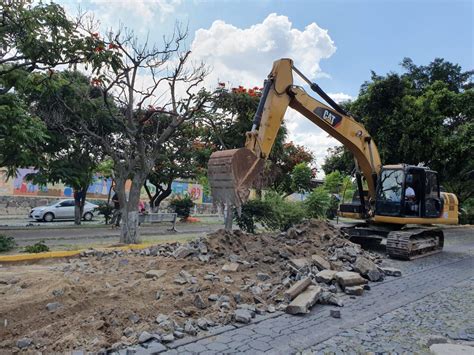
(434, 296)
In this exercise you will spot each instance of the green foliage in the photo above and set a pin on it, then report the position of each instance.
(423, 115)
(274, 212)
(182, 206)
(39, 247)
(253, 212)
(301, 178)
(467, 212)
(348, 187)
(317, 203)
(22, 134)
(339, 158)
(6, 243)
(280, 174)
(333, 182)
(106, 210)
(287, 213)
(227, 120)
(42, 35)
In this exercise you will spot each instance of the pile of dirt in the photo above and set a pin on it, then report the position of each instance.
(110, 300)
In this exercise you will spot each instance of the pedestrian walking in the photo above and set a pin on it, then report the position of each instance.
(117, 215)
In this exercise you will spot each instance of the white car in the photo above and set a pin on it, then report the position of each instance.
(62, 209)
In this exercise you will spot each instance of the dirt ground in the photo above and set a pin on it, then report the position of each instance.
(104, 300)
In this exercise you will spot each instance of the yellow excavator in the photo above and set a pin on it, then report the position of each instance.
(400, 202)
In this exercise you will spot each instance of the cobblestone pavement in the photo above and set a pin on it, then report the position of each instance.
(443, 316)
(433, 297)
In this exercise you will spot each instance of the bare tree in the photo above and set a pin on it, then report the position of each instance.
(148, 96)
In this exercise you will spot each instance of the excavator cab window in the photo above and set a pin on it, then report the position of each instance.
(413, 192)
(389, 192)
(433, 200)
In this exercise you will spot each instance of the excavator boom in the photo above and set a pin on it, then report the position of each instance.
(232, 172)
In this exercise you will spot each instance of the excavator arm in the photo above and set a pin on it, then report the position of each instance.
(232, 172)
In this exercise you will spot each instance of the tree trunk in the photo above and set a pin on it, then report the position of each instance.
(130, 230)
(158, 198)
(130, 233)
(77, 214)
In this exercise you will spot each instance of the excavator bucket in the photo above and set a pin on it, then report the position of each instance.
(231, 174)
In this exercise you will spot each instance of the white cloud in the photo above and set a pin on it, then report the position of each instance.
(244, 56)
(137, 14)
(340, 97)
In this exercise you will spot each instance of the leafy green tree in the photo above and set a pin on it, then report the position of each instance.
(423, 115)
(230, 116)
(333, 182)
(317, 203)
(35, 39)
(22, 134)
(301, 178)
(41, 36)
(184, 156)
(134, 132)
(339, 158)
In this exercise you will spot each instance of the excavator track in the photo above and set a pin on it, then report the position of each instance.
(414, 243)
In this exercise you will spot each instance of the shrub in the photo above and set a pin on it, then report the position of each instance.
(287, 213)
(39, 247)
(6, 243)
(253, 212)
(318, 203)
(182, 206)
(467, 212)
(106, 210)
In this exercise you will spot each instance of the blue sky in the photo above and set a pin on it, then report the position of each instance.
(344, 42)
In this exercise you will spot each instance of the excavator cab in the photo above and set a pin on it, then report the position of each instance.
(408, 191)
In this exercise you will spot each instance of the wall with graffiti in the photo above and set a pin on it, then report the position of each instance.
(99, 189)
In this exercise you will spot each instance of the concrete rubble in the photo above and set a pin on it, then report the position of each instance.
(222, 278)
(304, 301)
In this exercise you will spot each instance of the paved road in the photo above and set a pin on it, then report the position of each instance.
(66, 233)
(433, 297)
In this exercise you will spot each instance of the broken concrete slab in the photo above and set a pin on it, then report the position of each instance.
(154, 274)
(297, 288)
(182, 252)
(189, 328)
(24, 343)
(326, 276)
(320, 262)
(349, 278)
(391, 271)
(354, 290)
(330, 298)
(53, 306)
(299, 263)
(448, 349)
(242, 315)
(199, 302)
(304, 301)
(262, 276)
(231, 267)
(367, 268)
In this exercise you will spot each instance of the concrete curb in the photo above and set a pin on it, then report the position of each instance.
(65, 253)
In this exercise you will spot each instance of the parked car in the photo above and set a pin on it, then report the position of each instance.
(63, 209)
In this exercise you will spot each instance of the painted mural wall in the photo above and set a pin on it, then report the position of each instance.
(99, 189)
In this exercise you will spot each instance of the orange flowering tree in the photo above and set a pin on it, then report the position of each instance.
(230, 114)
